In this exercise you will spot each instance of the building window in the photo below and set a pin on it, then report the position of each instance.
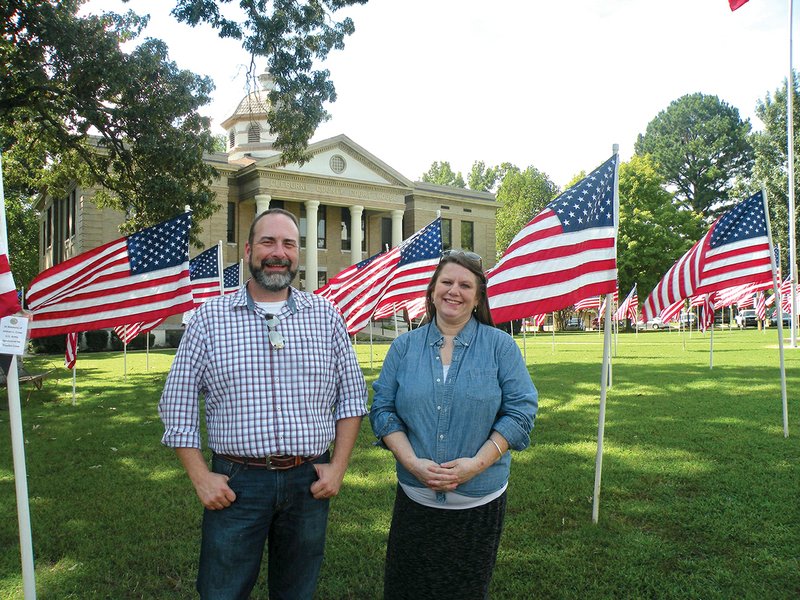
(347, 234)
(72, 212)
(322, 241)
(231, 222)
(338, 164)
(48, 228)
(322, 279)
(231, 138)
(253, 133)
(447, 234)
(467, 235)
(386, 233)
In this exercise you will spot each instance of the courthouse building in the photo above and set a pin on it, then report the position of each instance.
(349, 202)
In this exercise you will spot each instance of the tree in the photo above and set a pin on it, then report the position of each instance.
(653, 231)
(771, 163)
(128, 122)
(440, 173)
(74, 107)
(482, 178)
(522, 194)
(292, 35)
(700, 145)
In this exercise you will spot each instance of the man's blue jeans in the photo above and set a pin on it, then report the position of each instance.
(270, 505)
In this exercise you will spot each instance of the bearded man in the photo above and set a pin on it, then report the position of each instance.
(281, 383)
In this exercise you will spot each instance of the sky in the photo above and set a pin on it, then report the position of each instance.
(548, 84)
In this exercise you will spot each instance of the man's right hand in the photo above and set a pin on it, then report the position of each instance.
(212, 488)
(213, 491)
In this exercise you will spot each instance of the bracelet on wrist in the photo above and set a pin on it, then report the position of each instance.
(499, 452)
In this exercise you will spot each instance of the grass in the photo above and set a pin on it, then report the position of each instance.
(699, 492)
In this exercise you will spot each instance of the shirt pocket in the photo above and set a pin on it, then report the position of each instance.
(482, 392)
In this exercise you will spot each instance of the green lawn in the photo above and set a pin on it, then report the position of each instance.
(699, 496)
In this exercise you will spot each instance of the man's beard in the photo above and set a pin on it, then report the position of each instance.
(273, 282)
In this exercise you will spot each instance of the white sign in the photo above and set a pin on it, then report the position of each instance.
(13, 335)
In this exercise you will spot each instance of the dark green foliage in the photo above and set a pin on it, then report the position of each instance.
(522, 194)
(700, 145)
(294, 36)
(771, 164)
(65, 77)
(96, 340)
(137, 343)
(173, 337)
(53, 344)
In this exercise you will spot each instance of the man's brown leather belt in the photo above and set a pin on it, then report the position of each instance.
(275, 462)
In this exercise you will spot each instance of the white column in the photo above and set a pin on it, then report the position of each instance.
(355, 233)
(397, 227)
(262, 203)
(312, 261)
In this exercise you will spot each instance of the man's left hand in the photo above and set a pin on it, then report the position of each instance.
(329, 480)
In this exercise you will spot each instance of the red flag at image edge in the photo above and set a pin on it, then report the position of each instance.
(737, 3)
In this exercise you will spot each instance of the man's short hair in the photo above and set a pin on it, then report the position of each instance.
(270, 211)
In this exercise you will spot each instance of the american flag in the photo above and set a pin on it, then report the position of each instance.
(231, 279)
(391, 277)
(127, 333)
(671, 311)
(737, 294)
(9, 299)
(564, 254)
(734, 251)
(204, 272)
(141, 277)
(629, 307)
(71, 353)
(734, 4)
(614, 299)
(415, 308)
(761, 306)
(592, 302)
(707, 320)
(539, 320)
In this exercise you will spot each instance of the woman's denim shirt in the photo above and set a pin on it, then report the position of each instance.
(487, 388)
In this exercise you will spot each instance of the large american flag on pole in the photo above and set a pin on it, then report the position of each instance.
(391, 277)
(566, 253)
(629, 309)
(138, 278)
(734, 251)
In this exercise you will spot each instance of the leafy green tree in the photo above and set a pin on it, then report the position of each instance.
(293, 35)
(521, 195)
(700, 145)
(128, 122)
(771, 163)
(441, 173)
(653, 231)
(482, 178)
(75, 107)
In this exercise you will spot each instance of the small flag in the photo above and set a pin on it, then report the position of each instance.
(71, 354)
(736, 4)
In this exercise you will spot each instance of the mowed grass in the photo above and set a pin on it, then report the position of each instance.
(700, 489)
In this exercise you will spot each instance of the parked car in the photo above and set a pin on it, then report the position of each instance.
(574, 324)
(747, 318)
(787, 321)
(654, 323)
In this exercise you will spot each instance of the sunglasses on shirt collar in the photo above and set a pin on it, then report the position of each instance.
(275, 337)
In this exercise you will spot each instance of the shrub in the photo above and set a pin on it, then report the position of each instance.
(172, 337)
(96, 340)
(137, 343)
(53, 344)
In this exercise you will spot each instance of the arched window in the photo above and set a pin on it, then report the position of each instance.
(253, 133)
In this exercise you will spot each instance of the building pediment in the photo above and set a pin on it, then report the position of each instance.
(340, 157)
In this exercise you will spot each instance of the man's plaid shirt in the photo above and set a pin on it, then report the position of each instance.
(260, 400)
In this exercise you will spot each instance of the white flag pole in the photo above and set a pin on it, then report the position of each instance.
(524, 342)
(74, 368)
(605, 373)
(147, 350)
(780, 316)
(553, 328)
(18, 443)
(605, 378)
(790, 156)
(711, 351)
